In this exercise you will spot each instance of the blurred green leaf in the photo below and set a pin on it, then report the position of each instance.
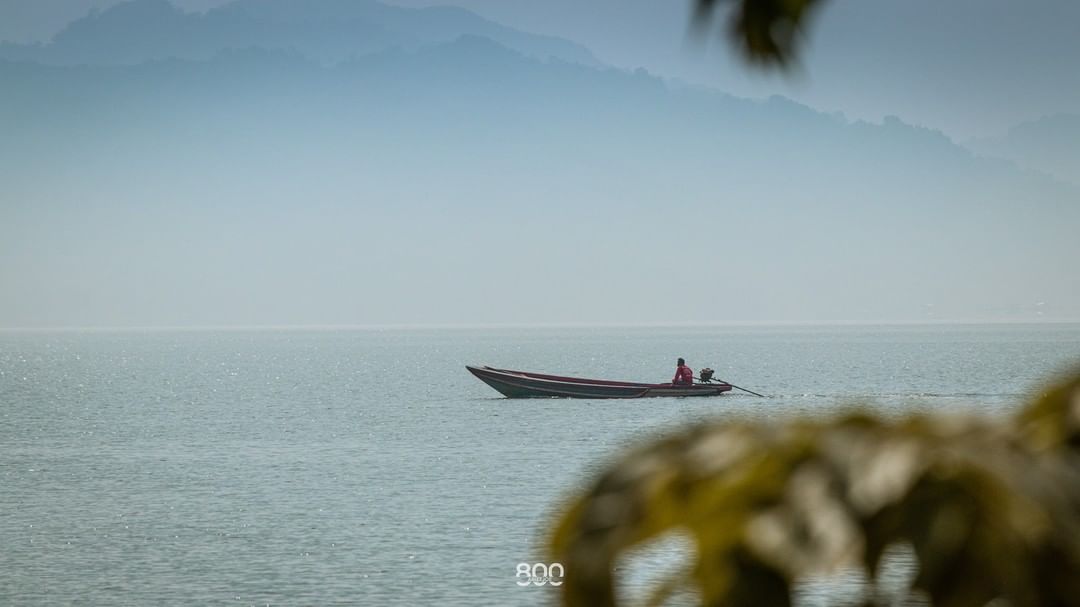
(990, 508)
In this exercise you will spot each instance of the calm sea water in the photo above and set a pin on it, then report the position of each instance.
(367, 467)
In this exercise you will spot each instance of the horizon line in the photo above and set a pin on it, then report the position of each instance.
(536, 325)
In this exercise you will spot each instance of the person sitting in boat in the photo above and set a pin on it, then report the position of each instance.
(684, 376)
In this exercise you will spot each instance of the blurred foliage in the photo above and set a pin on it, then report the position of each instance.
(766, 31)
(991, 508)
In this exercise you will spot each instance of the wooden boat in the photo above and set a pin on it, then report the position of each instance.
(521, 384)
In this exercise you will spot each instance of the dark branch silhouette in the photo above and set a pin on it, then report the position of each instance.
(766, 32)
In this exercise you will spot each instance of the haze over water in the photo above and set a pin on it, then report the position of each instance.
(367, 467)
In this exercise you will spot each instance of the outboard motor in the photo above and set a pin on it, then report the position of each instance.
(706, 375)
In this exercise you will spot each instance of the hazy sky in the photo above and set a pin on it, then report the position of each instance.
(968, 67)
(468, 184)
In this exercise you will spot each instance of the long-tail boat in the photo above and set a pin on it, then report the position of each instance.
(522, 384)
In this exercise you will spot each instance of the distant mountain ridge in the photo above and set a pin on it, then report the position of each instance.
(328, 31)
(433, 160)
(1050, 144)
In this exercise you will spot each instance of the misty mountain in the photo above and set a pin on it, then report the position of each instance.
(467, 182)
(324, 30)
(1050, 144)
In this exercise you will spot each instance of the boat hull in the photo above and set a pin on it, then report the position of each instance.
(521, 384)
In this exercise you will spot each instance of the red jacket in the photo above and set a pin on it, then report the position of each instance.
(683, 375)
